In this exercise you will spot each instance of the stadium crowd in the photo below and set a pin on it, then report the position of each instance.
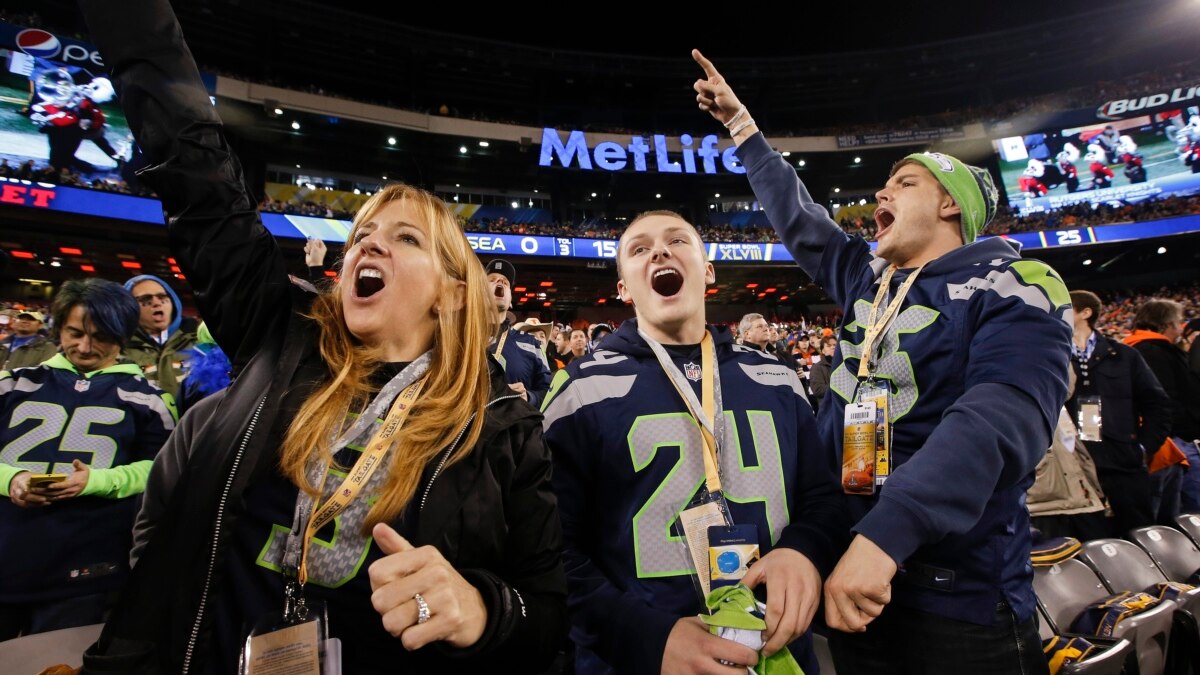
(485, 494)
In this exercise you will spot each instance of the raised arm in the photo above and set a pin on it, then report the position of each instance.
(231, 261)
(821, 248)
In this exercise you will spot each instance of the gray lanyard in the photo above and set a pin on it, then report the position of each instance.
(378, 406)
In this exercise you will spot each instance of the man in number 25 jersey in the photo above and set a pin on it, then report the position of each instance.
(81, 414)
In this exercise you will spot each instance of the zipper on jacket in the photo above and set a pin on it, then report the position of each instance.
(446, 453)
(212, 560)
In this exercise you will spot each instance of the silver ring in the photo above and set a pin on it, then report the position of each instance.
(422, 608)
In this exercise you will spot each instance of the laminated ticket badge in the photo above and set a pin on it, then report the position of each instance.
(858, 448)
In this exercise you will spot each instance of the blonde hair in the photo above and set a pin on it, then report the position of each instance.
(457, 386)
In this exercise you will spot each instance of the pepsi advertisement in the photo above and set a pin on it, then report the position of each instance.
(58, 112)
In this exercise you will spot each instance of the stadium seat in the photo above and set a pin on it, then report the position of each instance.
(1190, 524)
(33, 653)
(1066, 589)
(1122, 566)
(1110, 661)
(1171, 550)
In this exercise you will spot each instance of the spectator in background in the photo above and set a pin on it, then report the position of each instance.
(818, 375)
(161, 338)
(754, 332)
(208, 369)
(1122, 413)
(27, 345)
(519, 354)
(314, 262)
(1158, 327)
(64, 545)
(596, 333)
(577, 345)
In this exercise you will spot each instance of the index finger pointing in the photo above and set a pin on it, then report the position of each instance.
(710, 70)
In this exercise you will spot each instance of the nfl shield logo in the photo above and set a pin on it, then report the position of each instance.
(82, 385)
(691, 371)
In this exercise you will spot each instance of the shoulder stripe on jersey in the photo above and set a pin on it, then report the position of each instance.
(21, 384)
(584, 391)
(1007, 284)
(604, 357)
(151, 401)
(773, 375)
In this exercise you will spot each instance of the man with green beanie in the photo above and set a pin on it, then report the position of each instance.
(948, 379)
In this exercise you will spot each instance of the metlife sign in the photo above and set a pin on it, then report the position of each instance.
(639, 155)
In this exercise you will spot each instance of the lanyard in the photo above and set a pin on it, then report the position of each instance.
(370, 460)
(408, 383)
(708, 413)
(499, 353)
(878, 324)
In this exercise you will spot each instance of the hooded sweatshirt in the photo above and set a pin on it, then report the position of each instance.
(628, 455)
(160, 363)
(977, 360)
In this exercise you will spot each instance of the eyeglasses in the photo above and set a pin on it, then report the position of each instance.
(149, 298)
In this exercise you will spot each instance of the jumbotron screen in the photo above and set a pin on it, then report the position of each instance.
(1123, 161)
(58, 109)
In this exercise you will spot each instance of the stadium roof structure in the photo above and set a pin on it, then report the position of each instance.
(630, 70)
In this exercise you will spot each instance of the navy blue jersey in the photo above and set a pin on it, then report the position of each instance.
(524, 361)
(628, 456)
(977, 360)
(113, 420)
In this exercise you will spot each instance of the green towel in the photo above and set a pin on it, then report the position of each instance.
(737, 616)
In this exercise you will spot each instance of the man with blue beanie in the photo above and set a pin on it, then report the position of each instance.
(949, 376)
(157, 345)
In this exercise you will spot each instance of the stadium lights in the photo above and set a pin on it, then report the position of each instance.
(658, 195)
(87, 268)
(786, 153)
(296, 126)
(385, 177)
(593, 194)
(515, 205)
(1087, 262)
(801, 163)
(862, 202)
(858, 160)
(35, 282)
(391, 140)
(357, 191)
(462, 149)
(297, 166)
(483, 144)
(55, 263)
(278, 112)
(717, 195)
(457, 185)
(837, 189)
(26, 255)
(66, 250)
(1162, 250)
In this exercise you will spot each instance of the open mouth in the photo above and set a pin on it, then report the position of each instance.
(666, 282)
(368, 283)
(883, 221)
(499, 291)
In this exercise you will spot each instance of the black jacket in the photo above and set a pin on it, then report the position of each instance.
(1127, 390)
(1182, 384)
(492, 515)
